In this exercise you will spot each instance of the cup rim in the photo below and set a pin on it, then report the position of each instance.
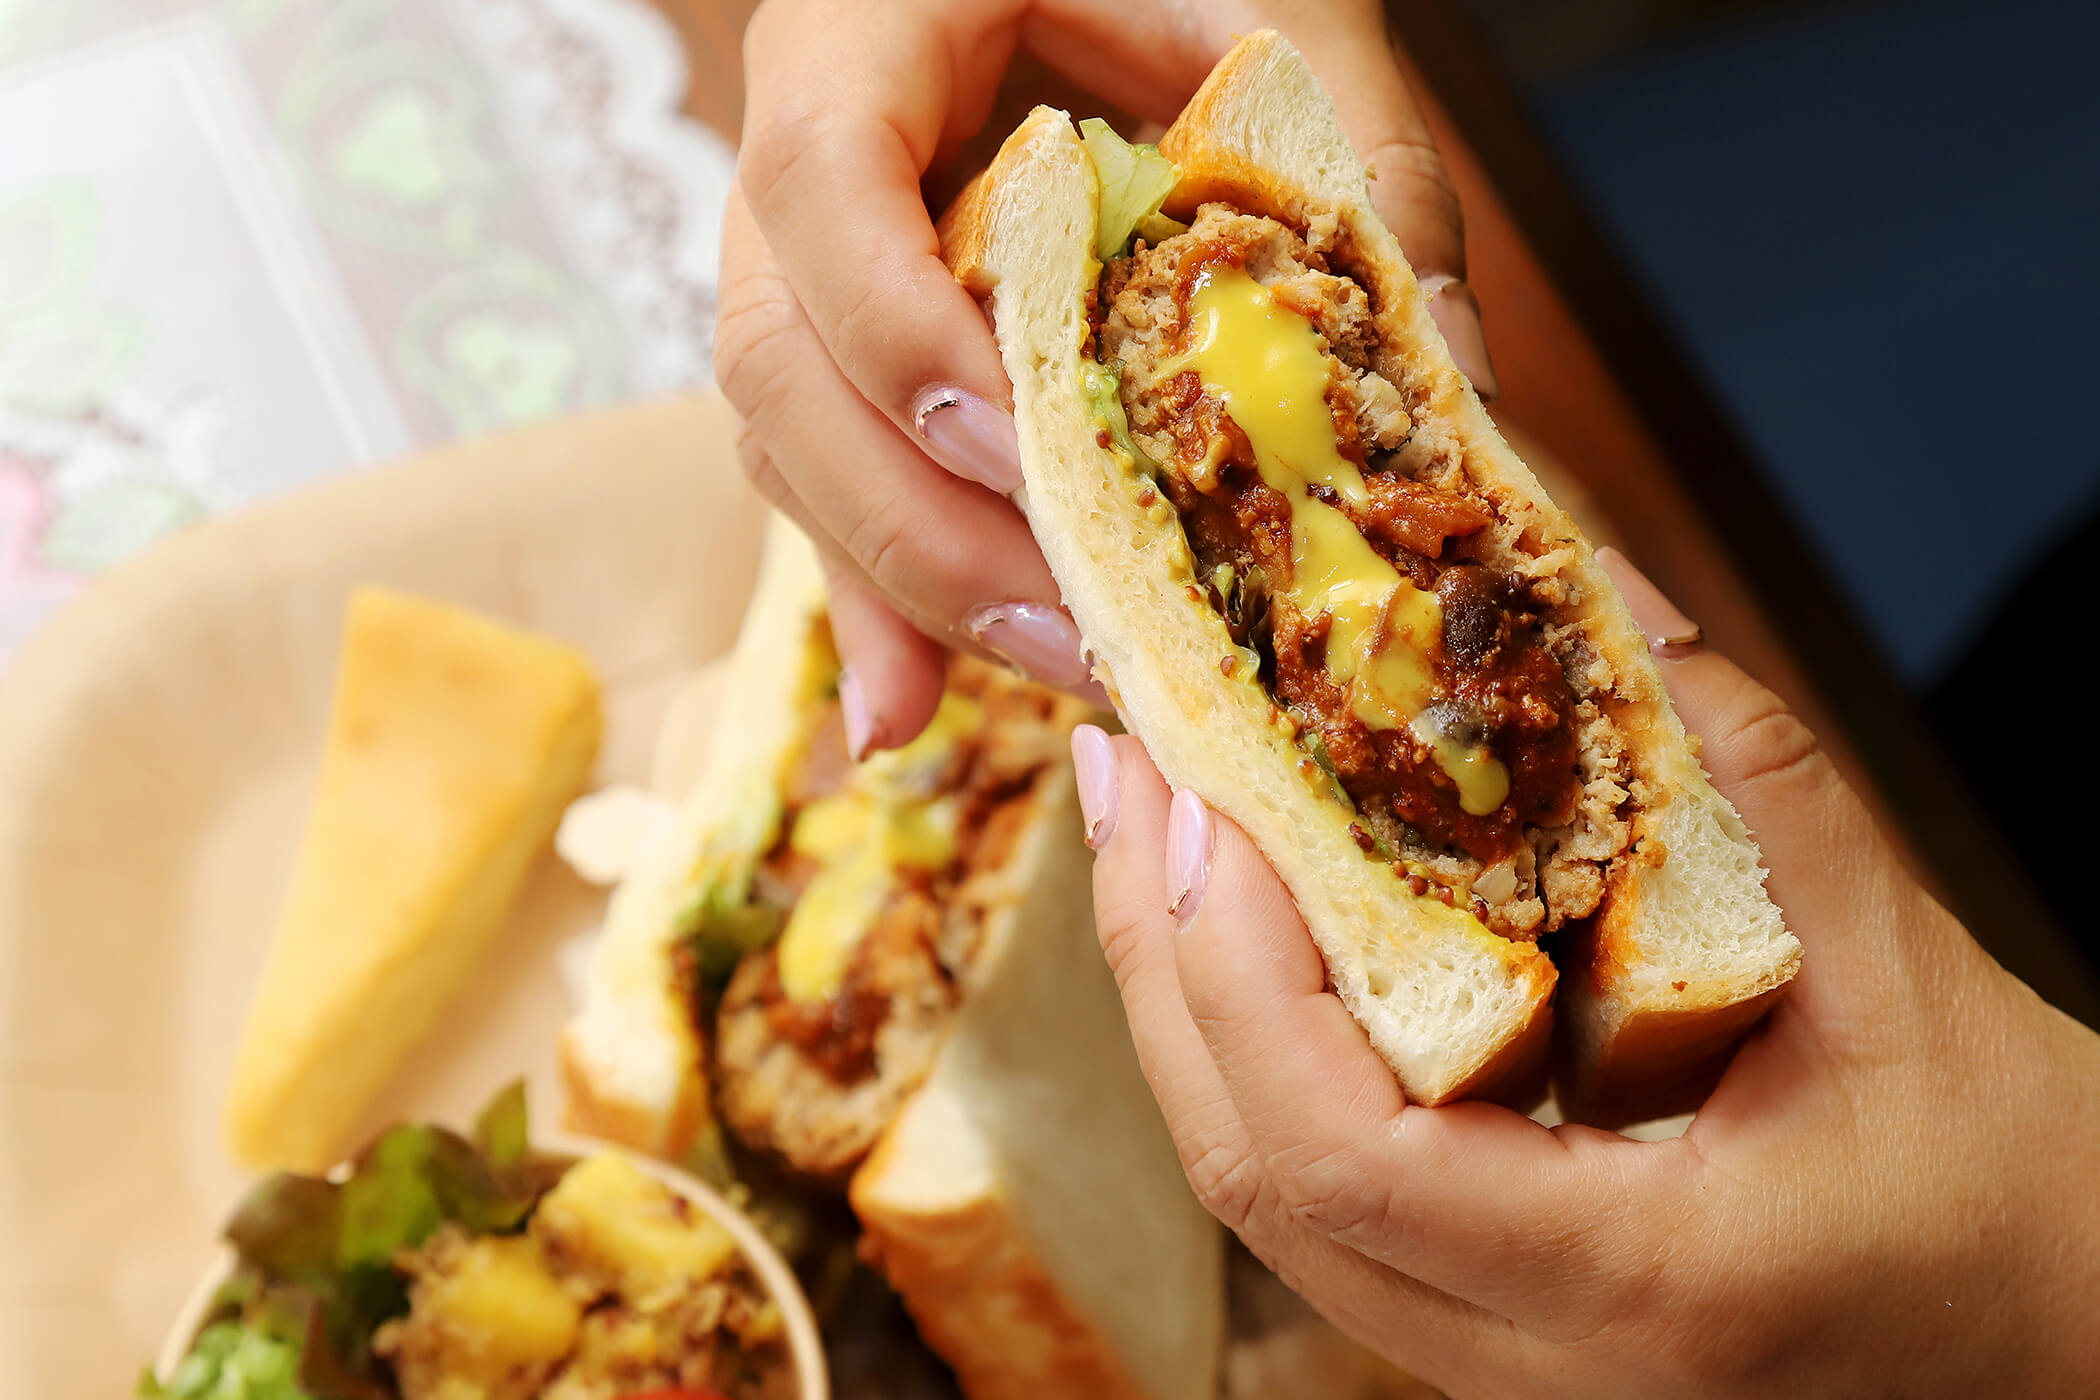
(805, 1343)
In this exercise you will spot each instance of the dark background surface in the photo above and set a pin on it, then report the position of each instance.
(1875, 230)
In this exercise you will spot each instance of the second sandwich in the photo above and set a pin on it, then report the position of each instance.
(879, 981)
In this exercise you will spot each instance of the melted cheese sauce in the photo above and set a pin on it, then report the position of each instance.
(882, 821)
(1265, 363)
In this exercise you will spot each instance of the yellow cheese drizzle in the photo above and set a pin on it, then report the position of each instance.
(1264, 362)
(882, 820)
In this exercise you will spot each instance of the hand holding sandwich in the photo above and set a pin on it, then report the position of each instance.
(1890, 1192)
(874, 401)
(1835, 1216)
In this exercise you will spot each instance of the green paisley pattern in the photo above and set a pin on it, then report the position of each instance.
(393, 136)
(508, 342)
(60, 347)
(63, 349)
(396, 143)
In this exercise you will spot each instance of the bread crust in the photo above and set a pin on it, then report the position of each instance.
(1666, 963)
(1029, 1205)
(981, 1297)
(594, 1109)
(1660, 1061)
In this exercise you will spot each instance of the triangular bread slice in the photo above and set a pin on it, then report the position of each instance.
(632, 1063)
(453, 744)
(1687, 948)
(1028, 1203)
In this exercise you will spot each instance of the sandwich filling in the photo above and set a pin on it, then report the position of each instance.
(1408, 635)
(880, 881)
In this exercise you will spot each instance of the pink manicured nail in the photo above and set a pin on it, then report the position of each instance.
(970, 436)
(1188, 854)
(1034, 638)
(1094, 765)
(853, 708)
(1670, 633)
(1456, 312)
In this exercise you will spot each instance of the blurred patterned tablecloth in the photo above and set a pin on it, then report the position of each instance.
(249, 243)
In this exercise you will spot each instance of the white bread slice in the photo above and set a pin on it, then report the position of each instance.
(1028, 1203)
(453, 744)
(631, 1061)
(1684, 952)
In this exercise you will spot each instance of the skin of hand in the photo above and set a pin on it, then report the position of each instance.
(1894, 1190)
(876, 412)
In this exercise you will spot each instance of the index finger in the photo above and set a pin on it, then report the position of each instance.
(1425, 1329)
(1473, 1199)
(834, 149)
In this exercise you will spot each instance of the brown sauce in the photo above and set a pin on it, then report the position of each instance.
(838, 1033)
(1498, 682)
(919, 937)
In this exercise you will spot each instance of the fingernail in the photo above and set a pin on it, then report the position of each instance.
(1456, 312)
(1188, 854)
(853, 708)
(1670, 633)
(970, 436)
(1034, 638)
(1094, 765)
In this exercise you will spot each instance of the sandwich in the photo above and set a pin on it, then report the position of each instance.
(878, 981)
(1331, 600)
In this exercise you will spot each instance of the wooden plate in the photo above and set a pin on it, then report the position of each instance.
(157, 744)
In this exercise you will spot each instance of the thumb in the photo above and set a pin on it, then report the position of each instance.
(1831, 871)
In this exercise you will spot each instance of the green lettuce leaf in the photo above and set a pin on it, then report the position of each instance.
(1317, 747)
(503, 1131)
(1135, 181)
(390, 1201)
(287, 1228)
(728, 921)
(316, 1277)
(335, 1368)
(724, 917)
(233, 1362)
(1103, 386)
